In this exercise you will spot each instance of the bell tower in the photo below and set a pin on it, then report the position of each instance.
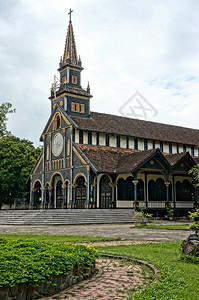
(67, 90)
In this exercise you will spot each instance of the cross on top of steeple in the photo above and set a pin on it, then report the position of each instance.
(70, 12)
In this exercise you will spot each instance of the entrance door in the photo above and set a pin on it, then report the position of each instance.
(59, 194)
(80, 194)
(105, 192)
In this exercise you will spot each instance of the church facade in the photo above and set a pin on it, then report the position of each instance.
(96, 160)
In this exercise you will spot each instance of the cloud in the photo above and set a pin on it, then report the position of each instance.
(147, 45)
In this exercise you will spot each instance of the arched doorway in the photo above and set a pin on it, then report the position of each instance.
(37, 194)
(59, 194)
(47, 196)
(105, 192)
(80, 192)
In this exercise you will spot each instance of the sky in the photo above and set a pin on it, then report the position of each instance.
(135, 54)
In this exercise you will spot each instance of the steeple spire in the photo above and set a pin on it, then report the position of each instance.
(70, 52)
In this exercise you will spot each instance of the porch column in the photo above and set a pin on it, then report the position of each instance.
(87, 202)
(64, 204)
(51, 202)
(114, 194)
(135, 203)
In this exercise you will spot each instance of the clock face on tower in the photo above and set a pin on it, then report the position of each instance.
(57, 144)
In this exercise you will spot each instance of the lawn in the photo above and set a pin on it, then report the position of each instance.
(178, 278)
(57, 238)
(164, 226)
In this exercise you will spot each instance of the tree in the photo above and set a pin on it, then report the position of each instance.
(195, 172)
(17, 158)
(5, 108)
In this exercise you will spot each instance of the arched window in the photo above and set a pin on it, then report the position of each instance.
(121, 188)
(184, 191)
(157, 190)
(129, 188)
(59, 194)
(105, 192)
(57, 122)
(160, 190)
(140, 190)
(80, 192)
(37, 190)
(151, 186)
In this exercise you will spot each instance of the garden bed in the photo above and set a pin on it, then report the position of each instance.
(31, 269)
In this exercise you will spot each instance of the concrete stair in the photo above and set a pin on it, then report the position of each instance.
(65, 216)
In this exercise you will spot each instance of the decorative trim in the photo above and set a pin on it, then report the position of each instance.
(35, 169)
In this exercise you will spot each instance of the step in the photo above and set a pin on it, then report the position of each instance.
(65, 216)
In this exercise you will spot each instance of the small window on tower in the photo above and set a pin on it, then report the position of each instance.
(73, 106)
(77, 107)
(82, 108)
(74, 79)
(64, 80)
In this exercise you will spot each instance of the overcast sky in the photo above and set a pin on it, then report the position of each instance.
(150, 46)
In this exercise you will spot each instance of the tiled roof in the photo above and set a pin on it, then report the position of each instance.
(174, 158)
(133, 160)
(105, 159)
(74, 90)
(138, 128)
(196, 159)
(117, 160)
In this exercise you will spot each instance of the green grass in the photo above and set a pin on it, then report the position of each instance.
(164, 226)
(57, 238)
(178, 278)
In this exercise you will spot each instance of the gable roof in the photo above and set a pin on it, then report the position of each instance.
(138, 128)
(57, 108)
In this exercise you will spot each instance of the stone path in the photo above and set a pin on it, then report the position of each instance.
(114, 280)
(123, 231)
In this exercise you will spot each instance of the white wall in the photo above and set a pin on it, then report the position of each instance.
(140, 144)
(76, 136)
(131, 143)
(94, 138)
(157, 144)
(102, 139)
(174, 148)
(112, 140)
(166, 148)
(122, 142)
(150, 144)
(85, 137)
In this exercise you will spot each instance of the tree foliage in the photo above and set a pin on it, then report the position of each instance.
(194, 216)
(17, 158)
(5, 108)
(195, 172)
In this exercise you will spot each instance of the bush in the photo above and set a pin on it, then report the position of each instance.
(35, 262)
(195, 219)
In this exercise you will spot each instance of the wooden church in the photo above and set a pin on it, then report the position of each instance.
(95, 160)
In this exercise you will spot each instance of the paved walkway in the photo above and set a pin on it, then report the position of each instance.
(123, 231)
(114, 280)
